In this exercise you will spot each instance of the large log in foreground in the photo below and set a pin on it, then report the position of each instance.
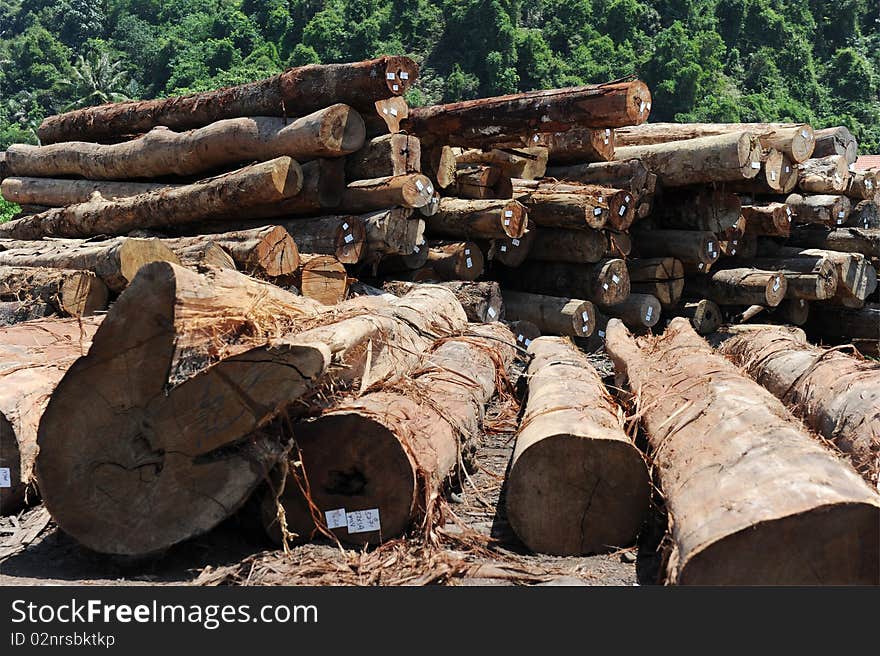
(376, 463)
(733, 156)
(175, 453)
(33, 358)
(577, 483)
(52, 192)
(71, 293)
(296, 91)
(330, 132)
(227, 194)
(836, 394)
(743, 482)
(115, 261)
(506, 119)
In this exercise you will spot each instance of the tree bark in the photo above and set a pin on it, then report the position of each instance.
(630, 174)
(662, 277)
(836, 141)
(845, 240)
(835, 394)
(812, 278)
(478, 219)
(552, 315)
(412, 190)
(487, 121)
(573, 246)
(826, 175)
(823, 209)
(637, 311)
(231, 193)
(604, 283)
(299, 91)
(461, 260)
(733, 156)
(864, 185)
(331, 132)
(33, 359)
(481, 182)
(768, 219)
(702, 209)
(705, 315)
(856, 277)
(742, 286)
(689, 246)
(579, 145)
(115, 261)
(384, 156)
(388, 453)
(175, 454)
(614, 207)
(322, 188)
(392, 232)
(48, 192)
(742, 481)
(13, 312)
(70, 292)
(572, 439)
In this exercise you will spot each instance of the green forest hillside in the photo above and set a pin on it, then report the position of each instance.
(718, 60)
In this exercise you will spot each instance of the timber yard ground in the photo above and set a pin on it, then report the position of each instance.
(475, 547)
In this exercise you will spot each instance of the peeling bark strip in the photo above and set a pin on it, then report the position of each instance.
(295, 92)
(49, 192)
(577, 483)
(69, 292)
(389, 452)
(33, 358)
(486, 121)
(228, 194)
(742, 481)
(837, 395)
(331, 132)
(115, 261)
(268, 251)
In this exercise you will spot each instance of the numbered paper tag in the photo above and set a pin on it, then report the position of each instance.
(335, 518)
(622, 210)
(711, 246)
(601, 333)
(393, 112)
(527, 342)
(648, 313)
(404, 75)
(642, 108)
(614, 278)
(775, 284)
(508, 213)
(504, 249)
(519, 338)
(772, 175)
(5, 477)
(605, 286)
(430, 188)
(840, 215)
(491, 312)
(363, 521)
(385, 110)
(515, 242)
(394, 87)
(419, 185)
(349, 239)
(585, 317)
(390, 76)
(756, 165)
(805, 134)
(467, 251)
(469, 263)
(597, 211)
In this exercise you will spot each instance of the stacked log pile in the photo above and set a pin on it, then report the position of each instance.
(312, 291)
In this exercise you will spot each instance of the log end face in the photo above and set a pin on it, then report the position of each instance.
(777, 286)
(276, 254)
(514, 219)
(135, 253)
(342, 130)
(573, 495)
(82, 294)
(803, 143)
(400, 74)
(350, 239)
(638, 103)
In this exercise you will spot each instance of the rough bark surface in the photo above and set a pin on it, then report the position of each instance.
(552, 315)
(70, 292)
(49, 192)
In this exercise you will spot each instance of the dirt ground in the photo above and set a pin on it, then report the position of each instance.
(472, 545)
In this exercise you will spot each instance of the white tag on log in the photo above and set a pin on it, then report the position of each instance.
(508, 213)
(430, 188)
(614, 278)
(840, 215)
(335, 518)
(805, 134)
(869, 184)
(606, 140)
(393, 112)
(583, 329)
(607, 132)
(597, 211)
(349, 239)
(605, 286)
(642, 108)
(852, 168)
(535, 138)
(504, 249)
(416, 249)
(527, 342)
(345, 226)
(775, 284)
(5, 477)
(394, 87)
(585, 317)
(515, 242)
(363, 521)
(756, 165)
(519, 338)
(601, 333)
(648, 313)
(404, 75)
(390, 76)
(711, 246)
(419, 185)
(649, 107)
(788, 211)
(491, 312)
(467, 251)
(507, 222)
(772, 175)
(385, 110)
(469, 263)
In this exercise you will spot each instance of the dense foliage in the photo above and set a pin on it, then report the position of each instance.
(719, 60)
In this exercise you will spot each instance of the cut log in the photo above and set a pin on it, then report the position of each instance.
(503, 119)
(865, 215)
(176, 453)
(33, 358)
(202, 255)
(772, 162)
(705, 315)
(733, 156)
(482, 301)
(386, 117)
(478, 219)
(768, 219)
(392, 232)
(614, 207)
(689, 246)
(295, 91)
(566, 210)
(525, 331)
(71, 293)
(379, 461)
(845, 240)
(412, 190)
(268, 251)
(743, 482)
(462, 260)
(579, 145)
(403, 264)
(825, 175)
(387, 155)
(573, 246)
(763, 183)
(860, 323)
(864, 185)
(322, 188)
(331, 132)
(513, 251)
(523, 163)
(856, 278)
(343, 236)
(481, 182)
(743, 286)
(836, 141)
(230, 193)
(837, 395)
(115, 261)
(794, 140)
(551, 314)
(321, 278)
(812, 278)
(702, 209)
(604, 283)
(577, 483)
(824, 209)
(662, 277)
(637, 311)
(48, 192)
(631, 174)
